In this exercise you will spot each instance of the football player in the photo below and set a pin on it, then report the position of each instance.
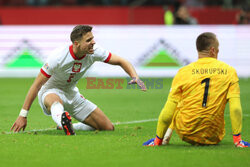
(56, 88)
(197, 99)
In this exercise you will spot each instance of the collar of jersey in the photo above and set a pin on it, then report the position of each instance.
(73, 55)
(206, 59)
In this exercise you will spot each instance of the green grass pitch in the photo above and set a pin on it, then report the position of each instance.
(123, 147)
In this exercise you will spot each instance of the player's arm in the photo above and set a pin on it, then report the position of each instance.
(167, 112)
(128, 68)
(164, 122)
(236, 121)
(233, 97)
(21, 121)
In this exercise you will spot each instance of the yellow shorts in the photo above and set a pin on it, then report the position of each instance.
(199, 140)
(200, 135)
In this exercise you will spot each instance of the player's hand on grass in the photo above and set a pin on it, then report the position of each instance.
(153, 142)
(238, 142)
(20, 124)
(139, 82)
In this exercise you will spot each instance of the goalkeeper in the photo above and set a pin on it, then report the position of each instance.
(197, 100)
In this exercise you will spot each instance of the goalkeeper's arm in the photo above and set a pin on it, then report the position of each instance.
(165, 118)
(164, 121)
(236, 121)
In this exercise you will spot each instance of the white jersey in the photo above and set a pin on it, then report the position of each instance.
(64, 69)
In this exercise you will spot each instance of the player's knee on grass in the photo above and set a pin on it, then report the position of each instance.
(99, 120)
(110, 127)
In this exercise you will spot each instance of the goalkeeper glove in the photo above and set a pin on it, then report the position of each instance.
(238, 142)
(153, 142)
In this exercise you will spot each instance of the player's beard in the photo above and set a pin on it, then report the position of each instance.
(91, 49)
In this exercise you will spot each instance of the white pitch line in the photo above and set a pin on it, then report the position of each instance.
(134, 122)
(29, 131)
(116, 123)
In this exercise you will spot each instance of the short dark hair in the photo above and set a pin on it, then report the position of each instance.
(78, 31)
(205, 40)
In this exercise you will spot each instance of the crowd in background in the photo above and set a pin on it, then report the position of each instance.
(243, 17)
(179, 14)
(225, 3)
(177, 11)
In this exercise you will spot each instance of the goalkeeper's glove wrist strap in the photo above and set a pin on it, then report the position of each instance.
(158, 140)
(237, 138)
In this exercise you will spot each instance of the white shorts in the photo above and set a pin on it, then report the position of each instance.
(78, 107)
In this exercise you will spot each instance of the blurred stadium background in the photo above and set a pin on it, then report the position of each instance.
(122, 12)
(157, 36)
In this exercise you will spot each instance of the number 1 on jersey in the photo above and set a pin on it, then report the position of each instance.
(204, 102)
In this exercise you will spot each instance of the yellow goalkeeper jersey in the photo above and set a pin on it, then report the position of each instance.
(202, 90)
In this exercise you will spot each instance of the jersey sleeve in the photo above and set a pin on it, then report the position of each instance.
(176, 91)
(234, 88)
(48, 68)
(101, 54)
(235, 115)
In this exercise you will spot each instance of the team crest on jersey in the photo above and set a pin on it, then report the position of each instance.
(77, 67)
